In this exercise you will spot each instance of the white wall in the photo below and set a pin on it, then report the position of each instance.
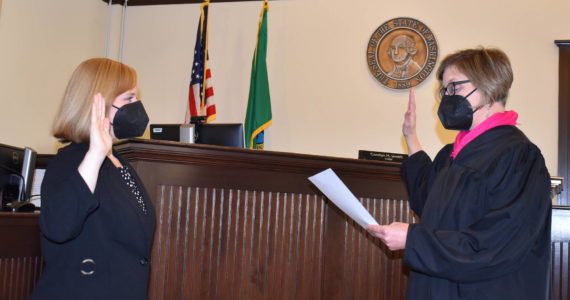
(324, 99)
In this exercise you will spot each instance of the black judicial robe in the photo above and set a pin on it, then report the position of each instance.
(484, 230)
(95, 245)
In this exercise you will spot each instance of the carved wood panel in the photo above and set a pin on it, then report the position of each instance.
(215, 243)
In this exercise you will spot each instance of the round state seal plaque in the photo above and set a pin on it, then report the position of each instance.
(401, 53)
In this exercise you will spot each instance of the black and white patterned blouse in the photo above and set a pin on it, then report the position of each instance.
(132, 185)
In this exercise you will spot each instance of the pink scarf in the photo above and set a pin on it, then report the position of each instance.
(498, 119)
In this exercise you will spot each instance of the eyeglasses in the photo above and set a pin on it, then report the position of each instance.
(451, 87)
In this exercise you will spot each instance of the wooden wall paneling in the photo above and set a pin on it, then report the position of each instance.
(334, 254)
(244, 224)
(564, 118)
(287, 240)
(20, 260)
(373, 271)
(560, 253)
(225, 244)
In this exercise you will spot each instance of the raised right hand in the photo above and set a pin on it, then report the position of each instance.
(409, 126)
(99, 145)
(100, 136)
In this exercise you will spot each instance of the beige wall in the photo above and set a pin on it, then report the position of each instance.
(41, 42)
(324, 99)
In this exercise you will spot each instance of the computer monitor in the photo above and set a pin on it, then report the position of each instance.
(17, 167)
(228, 134)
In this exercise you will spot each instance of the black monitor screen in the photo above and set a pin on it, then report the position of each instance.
(11, 160)
(16, 173)
(229, 134)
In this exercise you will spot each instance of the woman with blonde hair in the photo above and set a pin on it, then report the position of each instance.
(97, 221)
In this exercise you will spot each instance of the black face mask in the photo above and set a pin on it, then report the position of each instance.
(455, 112)
(130, 120)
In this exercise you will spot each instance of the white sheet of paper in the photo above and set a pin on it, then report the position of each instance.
(329, 183)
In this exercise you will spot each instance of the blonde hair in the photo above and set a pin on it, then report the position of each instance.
(96, 75)
(488, 69)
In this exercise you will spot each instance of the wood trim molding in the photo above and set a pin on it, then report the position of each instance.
(186, 153)
(164, 2)
(564, 118)
(269, 169)
(562, 42)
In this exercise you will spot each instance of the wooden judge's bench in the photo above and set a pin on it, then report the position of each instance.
(244, 224)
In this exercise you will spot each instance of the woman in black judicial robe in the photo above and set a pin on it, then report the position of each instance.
(97, 222)
(483, 203)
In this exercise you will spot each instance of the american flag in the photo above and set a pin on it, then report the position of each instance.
(201, 91)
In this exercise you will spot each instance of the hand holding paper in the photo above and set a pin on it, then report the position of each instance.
(394, 235)
(329, 183)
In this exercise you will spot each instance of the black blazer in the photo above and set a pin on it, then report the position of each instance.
(95, 245)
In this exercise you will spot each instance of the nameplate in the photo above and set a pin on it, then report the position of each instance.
(382, 156)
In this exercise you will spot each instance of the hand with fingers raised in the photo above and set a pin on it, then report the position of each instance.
(409, 126)
(100, 136)
(100, 142)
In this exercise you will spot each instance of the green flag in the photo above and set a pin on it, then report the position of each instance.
(258, 116)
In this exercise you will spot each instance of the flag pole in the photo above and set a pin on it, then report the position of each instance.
(203, 92)
(265, 5)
